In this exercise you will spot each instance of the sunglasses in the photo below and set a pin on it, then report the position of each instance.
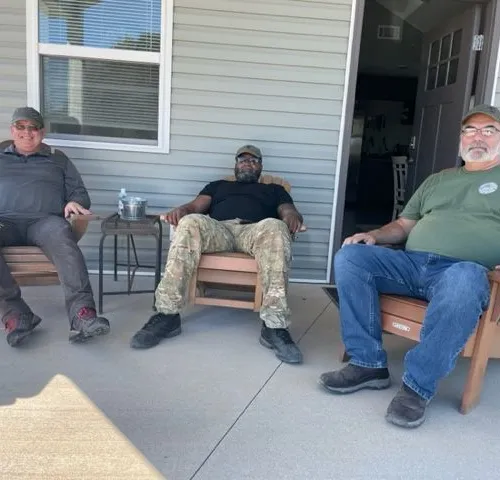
(21, 128)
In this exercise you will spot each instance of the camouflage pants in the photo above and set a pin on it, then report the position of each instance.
(268, 241)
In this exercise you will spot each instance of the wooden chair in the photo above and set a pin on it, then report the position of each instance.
(230, 271)
(403, 316)
(400, 174)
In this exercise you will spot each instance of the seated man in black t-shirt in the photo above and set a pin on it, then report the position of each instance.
(244, 216)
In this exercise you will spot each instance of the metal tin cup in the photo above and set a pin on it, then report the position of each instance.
(134, 208)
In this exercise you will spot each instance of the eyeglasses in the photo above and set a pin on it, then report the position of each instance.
(21, 128)
(249, 159)
(485, 131)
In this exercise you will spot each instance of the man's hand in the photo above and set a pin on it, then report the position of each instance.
(293, 222)
(75, 208)
(367, 238)
(201, 204)
(175, 215)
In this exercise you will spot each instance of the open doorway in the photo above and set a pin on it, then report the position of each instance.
(417, 73)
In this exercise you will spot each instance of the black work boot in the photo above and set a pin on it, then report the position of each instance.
(281, 342)
(158, 327)
(87, 325)
(352, 378)
(407, 408)
(19, 326)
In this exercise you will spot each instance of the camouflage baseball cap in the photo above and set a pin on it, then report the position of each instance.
(487, 110)
(250, 149)
(28, 113)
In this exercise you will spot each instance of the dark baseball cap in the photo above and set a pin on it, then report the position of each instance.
(488, 110)
(251, 150)
(28, 113)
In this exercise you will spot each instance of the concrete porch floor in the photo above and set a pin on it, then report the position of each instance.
(212, 404)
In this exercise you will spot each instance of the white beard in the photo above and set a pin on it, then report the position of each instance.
(479, 155)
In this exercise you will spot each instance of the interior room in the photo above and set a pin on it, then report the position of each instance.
(390, 61)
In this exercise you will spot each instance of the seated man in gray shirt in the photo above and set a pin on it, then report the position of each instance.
(40, 190)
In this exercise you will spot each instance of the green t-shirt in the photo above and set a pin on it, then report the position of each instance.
(458, 215)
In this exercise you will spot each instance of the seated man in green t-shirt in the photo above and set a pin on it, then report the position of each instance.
(451, 227)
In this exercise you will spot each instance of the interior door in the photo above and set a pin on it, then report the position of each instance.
(444, 91)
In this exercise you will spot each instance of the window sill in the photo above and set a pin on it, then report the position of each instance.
(125, 147)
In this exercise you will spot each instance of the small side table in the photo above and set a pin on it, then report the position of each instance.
(114, 225)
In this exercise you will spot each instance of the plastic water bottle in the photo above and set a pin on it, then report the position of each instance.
(121, 196)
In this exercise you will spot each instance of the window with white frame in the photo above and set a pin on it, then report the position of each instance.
(100, 71)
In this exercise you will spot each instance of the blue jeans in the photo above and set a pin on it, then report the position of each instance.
(457, 291)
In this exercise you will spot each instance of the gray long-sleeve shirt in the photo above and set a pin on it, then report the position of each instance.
(39, 184)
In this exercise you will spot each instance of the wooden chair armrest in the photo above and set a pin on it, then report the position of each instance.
(88, 218)
(303, 228)
(494, 276)
(79, 223)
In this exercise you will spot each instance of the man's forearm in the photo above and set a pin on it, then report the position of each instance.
(286, 209)
(81, 197)
(392, 234)
(192, 208)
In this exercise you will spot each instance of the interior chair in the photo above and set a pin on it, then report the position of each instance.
(403, 316)
(400, 175)
(229, 272)
(29, 265)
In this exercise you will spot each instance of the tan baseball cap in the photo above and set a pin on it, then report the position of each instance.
(251, 150)
(488, 110)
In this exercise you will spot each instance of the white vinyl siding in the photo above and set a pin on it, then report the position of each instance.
(267, 72)
(12, 61)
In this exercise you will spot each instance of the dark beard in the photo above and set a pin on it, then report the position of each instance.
(246, 176)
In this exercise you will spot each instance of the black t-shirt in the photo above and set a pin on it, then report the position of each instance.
(252, 202)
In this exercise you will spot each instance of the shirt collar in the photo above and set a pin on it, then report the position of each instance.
(45, 150)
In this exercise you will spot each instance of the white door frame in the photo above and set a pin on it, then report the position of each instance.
(351, 75)
(489, 75)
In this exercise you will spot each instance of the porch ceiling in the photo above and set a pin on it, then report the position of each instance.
(425, 14)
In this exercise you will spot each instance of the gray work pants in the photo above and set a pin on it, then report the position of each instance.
(54, 236)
